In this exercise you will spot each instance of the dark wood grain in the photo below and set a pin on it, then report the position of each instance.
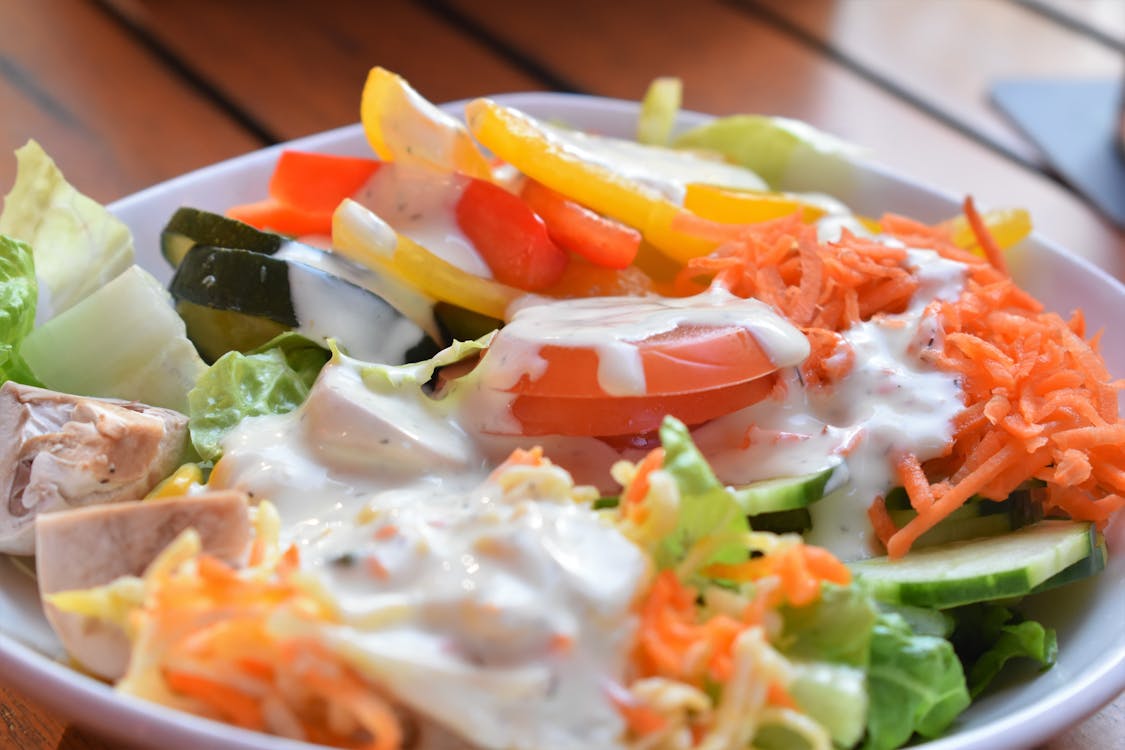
(1103, 18)
(114, 119)
(731, 61)
(297, 72)
(884, 38)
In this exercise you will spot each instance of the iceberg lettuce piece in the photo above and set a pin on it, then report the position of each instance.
(123, 341)
(18, 292)
(79, 246)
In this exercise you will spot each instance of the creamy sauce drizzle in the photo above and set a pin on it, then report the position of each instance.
(421, 203)
(488, 610)
(611, 326)
(663, 171)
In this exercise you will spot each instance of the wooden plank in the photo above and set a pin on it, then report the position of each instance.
(59, 67)
(766, 70)
(1104, 19)
(883, 38)
(25, 725)
(297, 72)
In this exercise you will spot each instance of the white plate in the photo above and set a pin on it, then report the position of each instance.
(1025, 710)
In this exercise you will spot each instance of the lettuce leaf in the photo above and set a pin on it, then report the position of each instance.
(79, 246)
(989, 635)
(836, 628)
(273, 379)
(18, 293)
(915, 684)
(707, 508)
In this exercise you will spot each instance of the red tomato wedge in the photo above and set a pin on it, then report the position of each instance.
(687, 359)
(607, 416)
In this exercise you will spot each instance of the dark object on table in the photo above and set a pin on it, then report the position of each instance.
(1077, 125)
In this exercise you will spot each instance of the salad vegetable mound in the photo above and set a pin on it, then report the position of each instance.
(516, 436)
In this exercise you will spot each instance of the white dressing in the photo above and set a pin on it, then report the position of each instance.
(421, 203)
(612, 326)
(662, 171)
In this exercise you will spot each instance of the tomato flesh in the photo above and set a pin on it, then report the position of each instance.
(607, 416)
(686, 359)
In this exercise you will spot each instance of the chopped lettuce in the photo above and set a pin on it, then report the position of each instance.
(707, 509)
(835, 696)
(18, 292)
(836, 628)
(915, 684)
(274, 379)
(658, 111)
(787, 154)
(79, 246)
(123, 341)
(989, 635)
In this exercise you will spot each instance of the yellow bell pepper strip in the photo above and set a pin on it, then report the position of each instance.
(178, 484)
(743, 206)
(522, 142)
(401, 125)
(1007, 226)
(360, 235)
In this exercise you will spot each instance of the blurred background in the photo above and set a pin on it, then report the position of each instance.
(126, 93)
(1015, 101)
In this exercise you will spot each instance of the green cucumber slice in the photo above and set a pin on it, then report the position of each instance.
(789, 493)
(292, 296)
(189, 227)
(1000, 567)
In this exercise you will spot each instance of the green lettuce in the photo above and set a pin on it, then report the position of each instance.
(989, 635)
(915, 684)
(837, 627)
(273, 379)
(79, 246)
(18, 293)
(707, 508)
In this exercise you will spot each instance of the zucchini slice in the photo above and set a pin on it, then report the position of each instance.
(249, 291)
(999, 567)
(789, 493)
(189, 227)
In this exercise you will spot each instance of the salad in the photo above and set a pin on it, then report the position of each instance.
(517, 436)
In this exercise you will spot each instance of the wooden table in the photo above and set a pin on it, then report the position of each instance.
(126, 93)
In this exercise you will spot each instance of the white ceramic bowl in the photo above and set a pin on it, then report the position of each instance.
(1024, 710)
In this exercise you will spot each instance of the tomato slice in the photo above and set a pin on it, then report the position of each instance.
(686, 359)
(607, 416)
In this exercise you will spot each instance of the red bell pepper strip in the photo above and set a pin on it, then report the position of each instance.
(318, 182)
(272, 215)
(601, 241)
(509, 236)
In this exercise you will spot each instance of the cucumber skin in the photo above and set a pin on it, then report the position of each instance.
(885, 579)
(788, 493)
(191, 226)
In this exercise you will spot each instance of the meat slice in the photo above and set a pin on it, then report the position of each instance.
(59, 451)
(87, 547)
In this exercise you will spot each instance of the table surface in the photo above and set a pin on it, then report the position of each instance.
(126, 93)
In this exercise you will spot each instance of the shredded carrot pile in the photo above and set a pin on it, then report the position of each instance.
(822, 288)
(209, 632)
(1039, 402)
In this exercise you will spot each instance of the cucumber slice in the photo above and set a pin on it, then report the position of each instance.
(793, 521)
(1000, 567)
(189, 227)
(789, 493)
(292, 295)
(1084, 568)
(961, 529)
